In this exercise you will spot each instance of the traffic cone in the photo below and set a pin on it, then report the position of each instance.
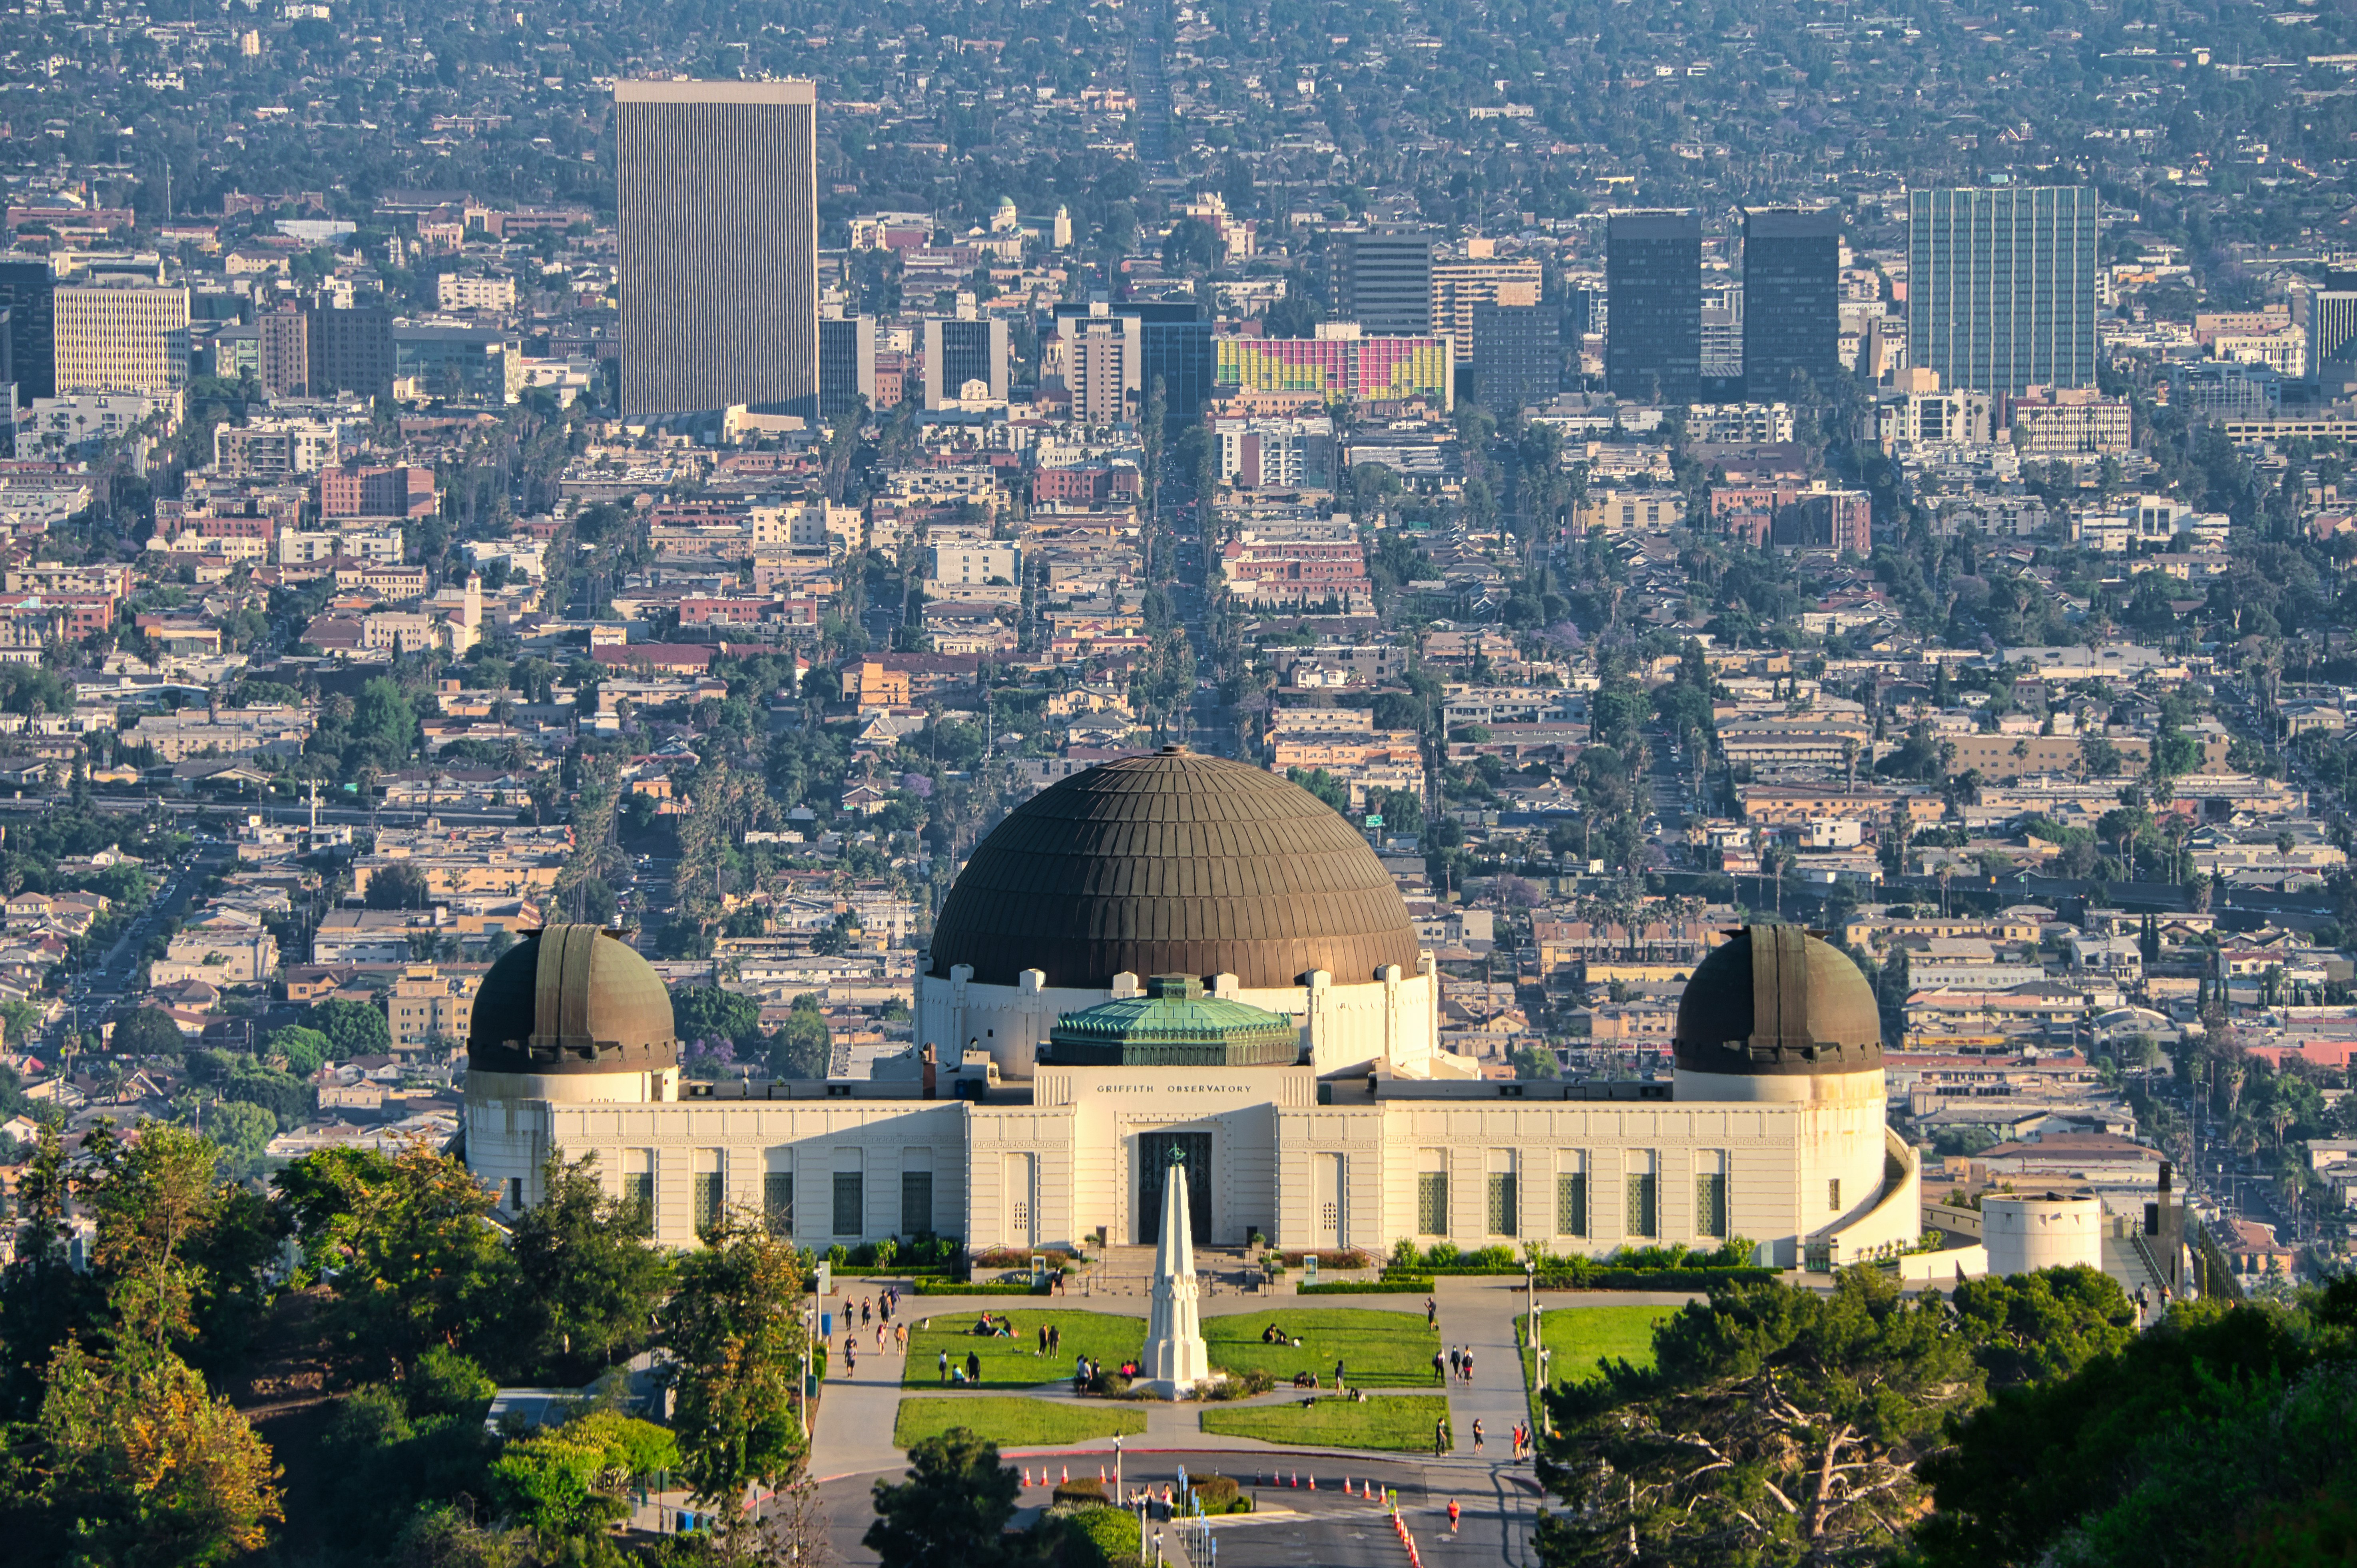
(1313, 1483)
(1101, 1476)
(1296, 1480)
(1068, 1472)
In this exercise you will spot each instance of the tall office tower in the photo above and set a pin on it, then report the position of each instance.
(1722, 333)
(1652, 282)
(719, 245)
(846, 362)
(2001, 286)
(964, 350)
(122, 336)
(349, 350)
(1517, 356)
(2332, 323)
(1105, 362)
(283, 352)
(1384, 282)
(29, 289)
(1174, 347)
(1791, 298)
(1458, 287)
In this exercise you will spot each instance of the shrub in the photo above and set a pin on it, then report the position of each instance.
(1348, 1258)
(1390, 1284)
(1099, 1538)
(1085, 1492)
(1219, 1493)
(1259, 1381)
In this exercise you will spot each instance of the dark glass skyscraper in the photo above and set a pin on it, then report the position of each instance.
(1517, 356)
(1791, 298)
(2001, 286)
(718, 200)
(847, 363)
(1653, 278)
(1384, 282)
(29, 291)
(351, 350)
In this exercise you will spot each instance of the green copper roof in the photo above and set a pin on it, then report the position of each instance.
(1174, 1025)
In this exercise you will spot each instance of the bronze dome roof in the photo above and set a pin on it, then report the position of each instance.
(1174, 864)
(1774, 999)
(572, 999)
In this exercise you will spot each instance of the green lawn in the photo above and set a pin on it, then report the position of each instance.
(1402, 1423)
(1013, 1422)
(1388, 1350)
(1015, 1363)
(1579, 1336)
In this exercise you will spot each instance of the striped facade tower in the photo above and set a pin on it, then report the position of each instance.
(718, 199)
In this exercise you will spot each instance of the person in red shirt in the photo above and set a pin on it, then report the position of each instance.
(1452, 1516)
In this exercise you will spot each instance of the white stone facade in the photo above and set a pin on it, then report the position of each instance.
(1801, 1166)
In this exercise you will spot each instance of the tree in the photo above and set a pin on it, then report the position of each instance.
(590, 1282)
(149, 1032)
(399, 886)
(953, 1507)
(803, 1046)
(401, 1238)
(243, 1132)
(2037, 1326)
(1779, 1427)
(305, 1051)
(734, 1329)
(709, 1013)
(352, 1029)
(138, 1464)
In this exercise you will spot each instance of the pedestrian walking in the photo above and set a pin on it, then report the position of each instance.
(1338, 1374)
(1453, 1515)
(1453, 1360)
(851, 1358)
(973, 1368)
(1440, 1438)
(945, 1368)
(1436, 1364)
(1055, 1340)
(1465, 1366)
(1043, 1341)
(1431, 1313)
(1477, 1435)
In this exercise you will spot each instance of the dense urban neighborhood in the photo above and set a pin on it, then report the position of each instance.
(611, 615)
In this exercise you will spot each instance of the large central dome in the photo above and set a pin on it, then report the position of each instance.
(1174, 864)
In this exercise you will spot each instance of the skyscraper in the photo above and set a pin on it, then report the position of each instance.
(847, 363)
(964, 350)
(122, 334)
(1384, 282)
(1652, 280)
(1791, 298)
(1174, 347)
(718, 197)
(2001, 286)
(349, 350)
(1517, 356)
(28, 290)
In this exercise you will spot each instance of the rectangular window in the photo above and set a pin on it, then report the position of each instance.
(1432, 1203)
(1710, 1206)
(850, 1202)
(1501, 1203)
(1644, 1205)
(777, 1202)
(515, 1195)
(638, 1198)
(1571, 1204)
(1832, 1194)
(707, 1200)
(916, 1203)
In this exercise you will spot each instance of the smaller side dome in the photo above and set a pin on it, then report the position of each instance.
(1775, 1000)
(572, 999)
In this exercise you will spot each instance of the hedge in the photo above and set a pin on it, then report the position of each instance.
(952, 1287)
(1653, 1279)
(1368, 1287)
(1112, 1533)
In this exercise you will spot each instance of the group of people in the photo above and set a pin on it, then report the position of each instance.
(1459, 1361)
(967, 1376)
(875, 1310)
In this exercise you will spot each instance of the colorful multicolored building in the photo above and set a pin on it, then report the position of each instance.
(1339, 367)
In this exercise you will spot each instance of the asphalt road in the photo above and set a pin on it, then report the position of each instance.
(1294, 1527)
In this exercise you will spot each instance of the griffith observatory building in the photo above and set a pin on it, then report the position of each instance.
(1176, 951)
